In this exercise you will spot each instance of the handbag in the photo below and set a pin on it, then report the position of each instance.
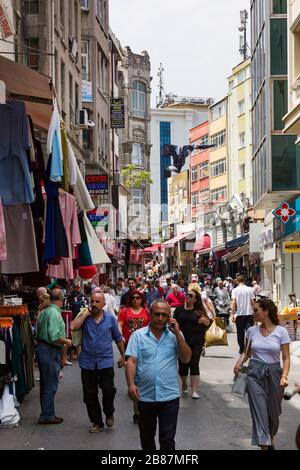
(216, 334)
(239, 387)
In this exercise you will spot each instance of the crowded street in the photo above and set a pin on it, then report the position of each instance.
(218, 420)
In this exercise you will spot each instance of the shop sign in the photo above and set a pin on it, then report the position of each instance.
(98, 217)
(285, 229)
(284, 212)
(291, 247)
(117, 115)
(6, 27)
(87, 91)
(97, 184)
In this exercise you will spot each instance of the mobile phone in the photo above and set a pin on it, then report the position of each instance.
(171, 326)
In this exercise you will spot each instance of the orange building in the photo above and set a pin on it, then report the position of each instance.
(199, 171)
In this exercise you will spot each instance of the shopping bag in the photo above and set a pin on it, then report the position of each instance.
(77, 334)
(216, 334)
(239, 386)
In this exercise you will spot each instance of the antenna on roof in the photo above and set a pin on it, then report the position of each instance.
(161, 85)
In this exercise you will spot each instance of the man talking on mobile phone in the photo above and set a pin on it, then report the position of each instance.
(151, 373)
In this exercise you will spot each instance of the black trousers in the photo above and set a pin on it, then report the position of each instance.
(167, 413)
(193, 365)
(91, 381)
(243, 323)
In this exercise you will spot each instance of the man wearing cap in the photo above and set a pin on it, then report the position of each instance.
(152, 377)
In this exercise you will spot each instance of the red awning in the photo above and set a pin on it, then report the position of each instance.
(171, 243)
(152, 249)
(202, 244)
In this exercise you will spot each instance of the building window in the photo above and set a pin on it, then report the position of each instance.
(63, 84)
(279, 53)
(195, 199)
(204, 140)
(218, 139)
(204, 170)
(137, 156)
(31, 7)
(219, 194)
(165, 138)
(218, 111)
(279, 7)
(32, 53)
(204, 196)
(218, 168)
(71, 102)
(241, 106)
(242, 76)
(85, 61)
(242, 170)
(194, 174)
(280, 107)
(207, 219)
(285, 163)
(231, 85)
(138, 99)
(62, 15)
(85, 4)
(138, 202)
(99, 9)
(242, 139)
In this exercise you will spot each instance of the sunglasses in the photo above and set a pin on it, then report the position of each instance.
(136, 298)
(192, 296)
(160, 314)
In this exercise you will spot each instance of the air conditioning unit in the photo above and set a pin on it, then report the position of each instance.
(83, 118)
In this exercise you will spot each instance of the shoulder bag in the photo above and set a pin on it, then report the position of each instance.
(239, 387)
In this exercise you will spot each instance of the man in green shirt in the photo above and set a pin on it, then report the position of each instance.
(51, 339)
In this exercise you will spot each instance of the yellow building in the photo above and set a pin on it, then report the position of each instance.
(239, 129)
(292, 118)
(218, 183)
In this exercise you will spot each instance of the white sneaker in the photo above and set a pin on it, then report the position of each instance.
(195, 395)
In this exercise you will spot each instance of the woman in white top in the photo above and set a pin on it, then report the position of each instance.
(266, 379)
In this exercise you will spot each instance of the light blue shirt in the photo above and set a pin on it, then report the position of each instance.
(156, 372)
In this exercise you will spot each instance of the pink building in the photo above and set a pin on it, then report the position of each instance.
(199, 171)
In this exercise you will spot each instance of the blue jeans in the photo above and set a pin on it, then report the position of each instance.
(167, 413)
(48, 358)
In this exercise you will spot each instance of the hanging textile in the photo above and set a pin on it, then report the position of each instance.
(3, 249)
(54, 146)
(98, 254)
(64, 270)
(80, 190)
(15, 178)
(64, 145)
(72, 165)
(56, 243)
(20, 241)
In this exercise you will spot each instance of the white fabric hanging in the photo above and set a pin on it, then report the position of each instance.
(72, 165)
(9, 416)
(98, 254)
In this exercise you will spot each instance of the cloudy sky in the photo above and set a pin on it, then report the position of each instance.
(197, 41)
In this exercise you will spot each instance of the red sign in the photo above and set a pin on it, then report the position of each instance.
(284, 212)
(6, 26)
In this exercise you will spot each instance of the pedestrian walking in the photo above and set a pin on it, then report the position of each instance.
(150, 292)
(130, 319)
(266, 379)
(176, 297)
(152, 375)
(131, 287)
(193, 322)
(242, 304)
(51, 338)
(99, 330)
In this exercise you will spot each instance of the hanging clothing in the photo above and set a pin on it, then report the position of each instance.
(64, 144)
(15, 178)
(17, 361)
(80, 190)
(20, 241)
(56, 243)
(54, 146)
(64, 270)
(72, 165)
(3, 249)
(98, 254)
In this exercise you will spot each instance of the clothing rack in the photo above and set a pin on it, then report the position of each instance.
(12, 310)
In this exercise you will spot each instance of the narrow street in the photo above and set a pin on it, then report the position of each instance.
(218, 420)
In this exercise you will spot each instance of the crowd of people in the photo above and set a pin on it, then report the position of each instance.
(159, 326)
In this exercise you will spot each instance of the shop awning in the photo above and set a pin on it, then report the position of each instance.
(202, 244)
(152, 249)
(236, 254)
(31, 87)
(237, 242)
(171, 243)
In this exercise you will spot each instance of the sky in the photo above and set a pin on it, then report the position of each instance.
(197, 41)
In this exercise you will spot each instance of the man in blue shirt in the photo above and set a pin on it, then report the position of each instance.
(151, 293)
(152, 375)
(96, 360)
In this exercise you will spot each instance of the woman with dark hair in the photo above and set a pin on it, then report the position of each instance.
(266, 379)
(193, 322)
(130, 319)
